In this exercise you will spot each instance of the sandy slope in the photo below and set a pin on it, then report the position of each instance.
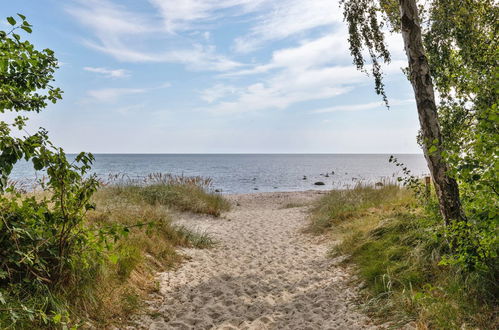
(263, 274)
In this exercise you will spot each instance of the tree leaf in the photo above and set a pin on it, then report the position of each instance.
(11, 20)
(27, 29)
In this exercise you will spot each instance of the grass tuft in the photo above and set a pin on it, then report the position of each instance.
(341, 205)
(181, 197)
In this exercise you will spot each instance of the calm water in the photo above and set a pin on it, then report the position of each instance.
(243, 173)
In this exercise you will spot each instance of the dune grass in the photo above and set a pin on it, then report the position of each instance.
(122, 283)
(179, 196)
(391, 242)
(340, 205)
(142, 240)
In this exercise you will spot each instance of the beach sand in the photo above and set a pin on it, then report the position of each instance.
(263, 273)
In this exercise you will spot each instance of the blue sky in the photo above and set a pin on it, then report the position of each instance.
(214, 76)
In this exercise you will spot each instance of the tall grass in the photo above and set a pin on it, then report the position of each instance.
(393, 244)
(340, 205)
(185, 194)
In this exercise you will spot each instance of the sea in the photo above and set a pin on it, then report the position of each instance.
(250, 173)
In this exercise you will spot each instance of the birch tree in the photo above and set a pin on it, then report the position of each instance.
(367, 21)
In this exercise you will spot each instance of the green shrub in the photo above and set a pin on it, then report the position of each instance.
(45, 244)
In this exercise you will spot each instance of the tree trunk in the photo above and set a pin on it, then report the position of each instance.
(446, 187)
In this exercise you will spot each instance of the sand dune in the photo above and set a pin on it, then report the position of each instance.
(264, 273)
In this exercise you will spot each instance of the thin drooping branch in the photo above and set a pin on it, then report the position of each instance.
(364, 29)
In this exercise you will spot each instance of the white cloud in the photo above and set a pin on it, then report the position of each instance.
(116, 73)
(352, 107)
(300, 75)
(287, 18)
(195, 58)
(135, 37)
(140, 37)
(217, 92)
(109, 95)
(328, 49)
(363, 106)
(183, 14)
(285, 88)
(108, 19)
(317, 68)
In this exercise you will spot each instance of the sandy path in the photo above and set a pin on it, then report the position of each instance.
(263, 274)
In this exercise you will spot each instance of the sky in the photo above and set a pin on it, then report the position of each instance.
(214, 76)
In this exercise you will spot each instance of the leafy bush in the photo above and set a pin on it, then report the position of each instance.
(45, 243)
(474, 242)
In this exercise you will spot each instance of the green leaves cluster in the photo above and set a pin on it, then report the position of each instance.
(25, 85)
(25, 73)
(460, 38)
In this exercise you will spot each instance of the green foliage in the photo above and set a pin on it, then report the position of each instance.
(410, 181)
(44, 242)
(25, 71)
(472, 247)
(473, 244)
(38, 238)
(462, 48)
(25, 79)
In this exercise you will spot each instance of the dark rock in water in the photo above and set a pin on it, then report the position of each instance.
(255, 188)
(218, 190)
(304, 177)
(275, 187)
(319, 183)
(379, 184)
